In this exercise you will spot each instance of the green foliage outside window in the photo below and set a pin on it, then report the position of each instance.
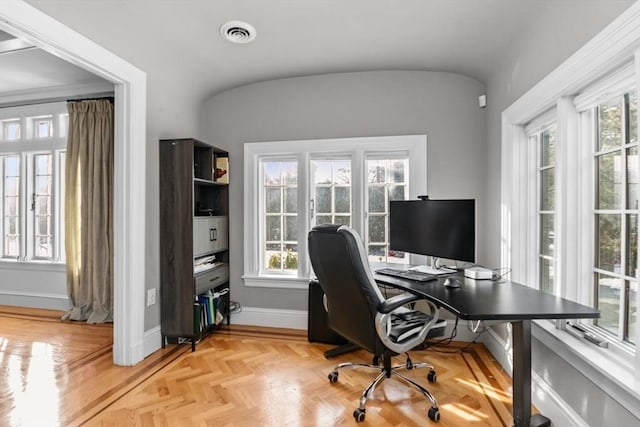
(290, 261)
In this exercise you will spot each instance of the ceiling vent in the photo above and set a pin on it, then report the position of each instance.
(238, 32)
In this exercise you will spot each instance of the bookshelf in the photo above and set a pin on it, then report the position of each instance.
(194, 239)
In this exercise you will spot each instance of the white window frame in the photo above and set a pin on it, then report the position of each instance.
(26, 147)
(412, 146)
(617, 84)
(534, 130)
(618, 44)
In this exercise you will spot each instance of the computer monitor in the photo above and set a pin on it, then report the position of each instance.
(435, 228)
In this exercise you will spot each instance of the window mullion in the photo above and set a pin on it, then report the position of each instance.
(25, 214)
(359, 198)
(304, 212)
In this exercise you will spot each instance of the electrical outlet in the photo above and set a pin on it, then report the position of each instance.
(151, 297)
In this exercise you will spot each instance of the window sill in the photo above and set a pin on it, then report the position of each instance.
(276, 281)
(614, 375)
(33, 265)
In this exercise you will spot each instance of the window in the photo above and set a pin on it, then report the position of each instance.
(331, 202)
(11, 129)
(32, 169)
(583, 183)
(11, 199)
(386, 181)
(546, 209)
(300, 184)
(42, 127)
(280, 218)
(594, 102)
(616, 214)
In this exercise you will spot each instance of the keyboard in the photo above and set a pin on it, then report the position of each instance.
(417, 276)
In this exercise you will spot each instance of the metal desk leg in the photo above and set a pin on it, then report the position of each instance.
(521, 333)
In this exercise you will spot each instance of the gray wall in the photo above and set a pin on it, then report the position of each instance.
(558, 32)
(443, 106)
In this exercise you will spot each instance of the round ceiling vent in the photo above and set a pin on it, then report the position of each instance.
(238, 32)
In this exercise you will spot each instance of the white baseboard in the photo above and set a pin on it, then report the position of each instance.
(274, 318)
(35, 300)
(548, 402)
(152, 340)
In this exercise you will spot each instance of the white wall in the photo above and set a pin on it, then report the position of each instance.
(443, 106)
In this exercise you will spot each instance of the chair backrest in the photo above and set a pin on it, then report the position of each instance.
(340, 263)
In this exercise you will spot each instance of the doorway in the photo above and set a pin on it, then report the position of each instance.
(24, 21)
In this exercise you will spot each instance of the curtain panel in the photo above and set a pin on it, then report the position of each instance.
(89, 211)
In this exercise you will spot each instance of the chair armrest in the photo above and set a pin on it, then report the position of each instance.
(391, 304)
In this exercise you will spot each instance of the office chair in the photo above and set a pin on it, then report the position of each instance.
(358, 311)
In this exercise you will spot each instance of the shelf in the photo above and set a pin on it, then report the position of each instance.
(189, 192)
(201, 181)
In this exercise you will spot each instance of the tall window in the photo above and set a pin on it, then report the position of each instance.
(32, 154)
(546, 209)
(41, 206)
(331, 203)
(386, 181)
(593, 101)
(616, 214)
(280, 218)
(10, 207)
(341, 181)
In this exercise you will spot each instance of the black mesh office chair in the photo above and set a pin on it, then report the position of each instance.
(358, 311)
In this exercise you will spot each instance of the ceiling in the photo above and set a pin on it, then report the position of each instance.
(26, 69)
(294, 37)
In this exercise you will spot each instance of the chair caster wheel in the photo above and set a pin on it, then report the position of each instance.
(409, 365)
(333, 377)
(434, 414)
(431, 376)
(358, 414)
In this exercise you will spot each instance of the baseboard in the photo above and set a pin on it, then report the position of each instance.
(274, 318)
(550, 404)
(36, 300)
(152, 340)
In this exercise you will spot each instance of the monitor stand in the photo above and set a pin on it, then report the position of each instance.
(430, 269)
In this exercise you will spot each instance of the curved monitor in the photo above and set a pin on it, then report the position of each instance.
(437, 228)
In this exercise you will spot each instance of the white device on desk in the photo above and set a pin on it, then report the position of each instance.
(478, 273)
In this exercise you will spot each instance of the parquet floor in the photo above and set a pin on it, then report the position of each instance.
(60, 374)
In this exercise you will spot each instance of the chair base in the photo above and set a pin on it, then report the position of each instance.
(387, 371)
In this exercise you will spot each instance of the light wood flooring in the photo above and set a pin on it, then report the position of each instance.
(61, 374)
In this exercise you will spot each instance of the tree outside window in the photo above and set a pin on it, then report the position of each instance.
(616, 215)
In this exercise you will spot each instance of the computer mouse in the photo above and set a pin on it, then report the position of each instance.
(451, 283)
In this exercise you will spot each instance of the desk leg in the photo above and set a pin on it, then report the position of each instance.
(342, 349)
(521, 333)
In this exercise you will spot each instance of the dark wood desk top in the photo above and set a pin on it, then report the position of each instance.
(491, 300)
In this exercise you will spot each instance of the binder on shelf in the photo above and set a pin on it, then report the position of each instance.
(212, 309)
(209, 304)
(197, 319)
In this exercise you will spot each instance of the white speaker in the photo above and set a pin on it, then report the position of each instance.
(482, 101)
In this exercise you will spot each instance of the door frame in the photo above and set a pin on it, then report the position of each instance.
(25, 21)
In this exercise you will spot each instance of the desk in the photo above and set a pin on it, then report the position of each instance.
(506, 301)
